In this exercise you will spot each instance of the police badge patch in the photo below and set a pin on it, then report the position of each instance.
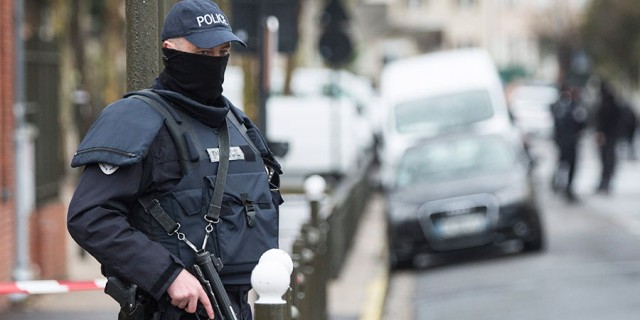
(107, 168)
(235, 153)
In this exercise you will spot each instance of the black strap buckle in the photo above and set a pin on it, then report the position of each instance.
(250, 210)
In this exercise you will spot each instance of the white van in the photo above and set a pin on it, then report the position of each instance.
(326, 123)
(441, 91)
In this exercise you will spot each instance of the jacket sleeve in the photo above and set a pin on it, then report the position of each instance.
(98, 221)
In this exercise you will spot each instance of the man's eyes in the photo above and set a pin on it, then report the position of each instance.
(212, 53)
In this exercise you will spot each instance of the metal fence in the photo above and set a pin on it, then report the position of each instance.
(321, 247)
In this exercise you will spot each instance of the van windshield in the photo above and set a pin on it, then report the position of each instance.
(443, 111)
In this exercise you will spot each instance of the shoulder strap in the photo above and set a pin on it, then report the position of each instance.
(184, 144)
(253, 136)
(187, 152)
(215, 205)
(242, 128)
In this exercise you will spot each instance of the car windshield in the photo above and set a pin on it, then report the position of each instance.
(453, 159)
(444, 111)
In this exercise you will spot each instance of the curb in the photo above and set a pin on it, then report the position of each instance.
(373, 308)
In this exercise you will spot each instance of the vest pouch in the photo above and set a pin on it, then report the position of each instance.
(248, 222)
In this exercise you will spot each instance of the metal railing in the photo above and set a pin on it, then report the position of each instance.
(321, 247)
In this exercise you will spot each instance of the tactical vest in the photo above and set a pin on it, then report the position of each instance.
(247, 224)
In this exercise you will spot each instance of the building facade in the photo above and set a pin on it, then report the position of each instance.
(508, 29)
(46, 225)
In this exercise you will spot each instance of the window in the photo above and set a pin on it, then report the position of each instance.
(513, 4)
(443, 112)
(414, 3)
(467, 3)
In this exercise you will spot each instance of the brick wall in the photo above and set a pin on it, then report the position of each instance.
(7, 204)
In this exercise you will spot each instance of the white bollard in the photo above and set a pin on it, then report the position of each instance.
(280, 256)
(314, 187)
(270, 279)
(272, 275)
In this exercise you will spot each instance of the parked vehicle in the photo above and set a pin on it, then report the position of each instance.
(530, 105)
(439, 92)
(329, 123)
(325, 136)
(461, 191)
(323, 82)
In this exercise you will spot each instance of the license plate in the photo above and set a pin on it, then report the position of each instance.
(461, 225)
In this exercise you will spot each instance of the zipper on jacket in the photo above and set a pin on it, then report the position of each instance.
(122, 153)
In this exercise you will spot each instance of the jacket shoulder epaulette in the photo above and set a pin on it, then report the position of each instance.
(121, 135)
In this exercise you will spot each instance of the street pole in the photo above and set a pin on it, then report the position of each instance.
(268, 43)
(24, 157)
(143, 42)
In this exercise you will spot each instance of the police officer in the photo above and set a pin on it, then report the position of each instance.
(570, 118)
(130, 154)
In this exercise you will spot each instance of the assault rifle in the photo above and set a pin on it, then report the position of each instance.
(206, 270)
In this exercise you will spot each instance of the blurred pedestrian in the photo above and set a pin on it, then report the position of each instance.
(628, 130)
(570, 118)
(607, 129)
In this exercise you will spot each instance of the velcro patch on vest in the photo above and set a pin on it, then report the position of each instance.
(235, 153)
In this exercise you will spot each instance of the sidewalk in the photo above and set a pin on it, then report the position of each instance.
(358, 292)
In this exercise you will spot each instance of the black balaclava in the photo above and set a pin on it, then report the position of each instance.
(195, 76)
